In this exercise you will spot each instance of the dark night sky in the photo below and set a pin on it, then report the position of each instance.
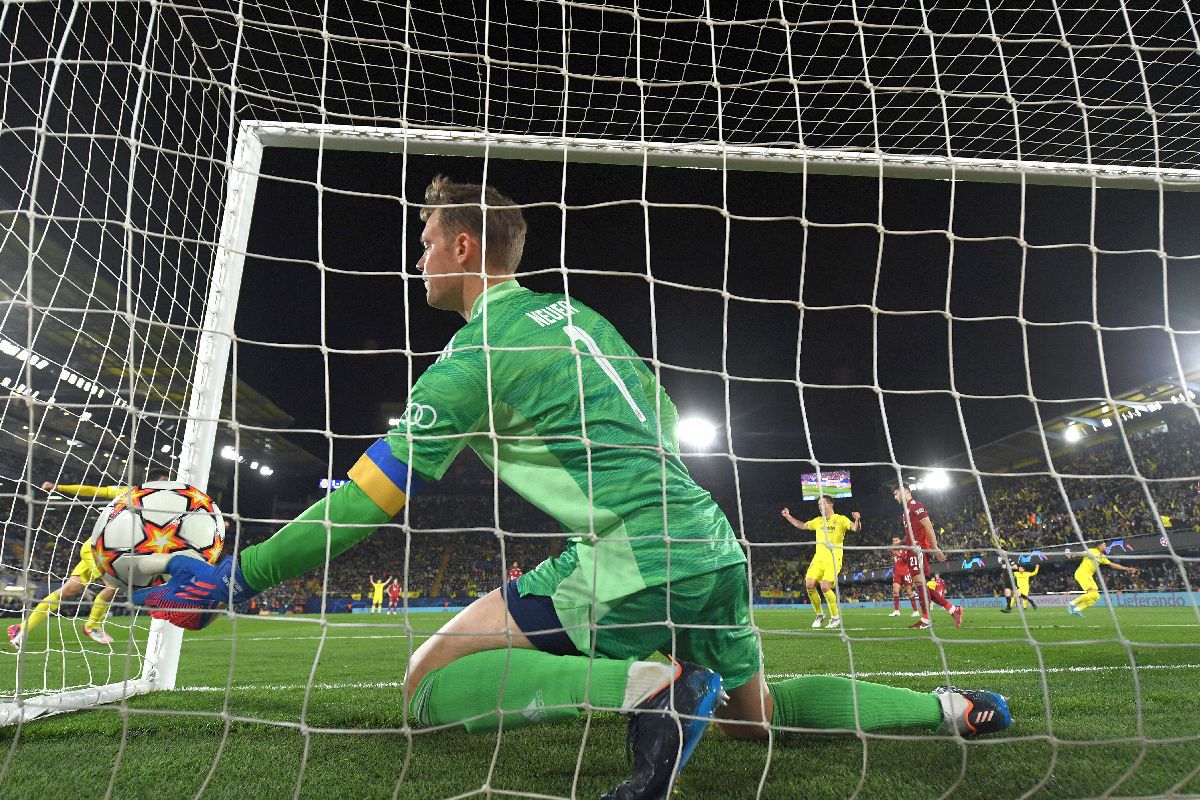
(839, 258)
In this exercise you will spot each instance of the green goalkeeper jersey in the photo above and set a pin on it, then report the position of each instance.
(560, 407)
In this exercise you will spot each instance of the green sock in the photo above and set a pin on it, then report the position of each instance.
(827, 702)
(528, 685)
(300, 545)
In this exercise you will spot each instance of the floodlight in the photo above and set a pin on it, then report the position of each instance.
(696, 432)
(937, 479)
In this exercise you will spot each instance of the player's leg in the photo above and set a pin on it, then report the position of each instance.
(1090, 596)
(456, 680)
(94, 627)
(1076, 605)
(831, 703)
(814, 574)
(1008, 600)
(724, 640)
(928, 594)
(481, 662)
(937, 597)
(919, 588)
(727, 643)
(49, 605)
(895, 600)
(835, 614)
(912, 598)
(749, 712)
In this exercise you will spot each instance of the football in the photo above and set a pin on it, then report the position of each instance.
(141, 530)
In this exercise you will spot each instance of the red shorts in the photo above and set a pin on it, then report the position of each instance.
(906, 571)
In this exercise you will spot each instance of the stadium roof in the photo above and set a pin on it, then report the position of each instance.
(1084, 426)
(91, 369)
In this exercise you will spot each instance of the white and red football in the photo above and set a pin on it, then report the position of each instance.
(144, 528)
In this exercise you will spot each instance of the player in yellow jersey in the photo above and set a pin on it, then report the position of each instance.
(827, 560)
(1085, 576)
(377, 594)
(84, 573)
(1023, 575)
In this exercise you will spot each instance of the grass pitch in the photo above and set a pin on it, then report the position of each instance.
(287, 706)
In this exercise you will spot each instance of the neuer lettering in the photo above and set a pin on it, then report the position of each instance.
(551, 313)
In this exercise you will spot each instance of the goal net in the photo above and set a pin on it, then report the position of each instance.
(943, 247)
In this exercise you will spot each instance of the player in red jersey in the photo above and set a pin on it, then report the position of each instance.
(514, 571)
(918, 533)
(393, 591)
(904, 563)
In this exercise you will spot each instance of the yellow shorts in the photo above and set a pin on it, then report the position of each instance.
(1087, 584)
(823, 567)
(86, 570)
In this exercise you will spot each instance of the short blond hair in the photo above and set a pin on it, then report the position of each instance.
(461, 212)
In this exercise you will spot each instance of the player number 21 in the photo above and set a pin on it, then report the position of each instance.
(577, 334)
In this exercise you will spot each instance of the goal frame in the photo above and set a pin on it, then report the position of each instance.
(161, 657)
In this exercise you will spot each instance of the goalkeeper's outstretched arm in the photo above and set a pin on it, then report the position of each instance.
(378, 489)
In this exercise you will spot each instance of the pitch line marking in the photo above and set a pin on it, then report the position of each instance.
(781, 632)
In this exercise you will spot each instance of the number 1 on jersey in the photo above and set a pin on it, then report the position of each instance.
(577, 334)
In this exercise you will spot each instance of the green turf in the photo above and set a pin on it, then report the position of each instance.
(346, 737)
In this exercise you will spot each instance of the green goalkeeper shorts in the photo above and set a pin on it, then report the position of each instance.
(704, 619)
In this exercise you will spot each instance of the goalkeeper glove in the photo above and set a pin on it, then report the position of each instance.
(195, 592)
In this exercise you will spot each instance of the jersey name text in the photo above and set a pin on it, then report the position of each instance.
(551, 313)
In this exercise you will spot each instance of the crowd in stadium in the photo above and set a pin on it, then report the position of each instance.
(452, 550)
(1028, 511)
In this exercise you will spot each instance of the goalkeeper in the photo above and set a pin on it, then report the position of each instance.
(555, 401)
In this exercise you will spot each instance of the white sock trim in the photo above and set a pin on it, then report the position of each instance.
(646, 678)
